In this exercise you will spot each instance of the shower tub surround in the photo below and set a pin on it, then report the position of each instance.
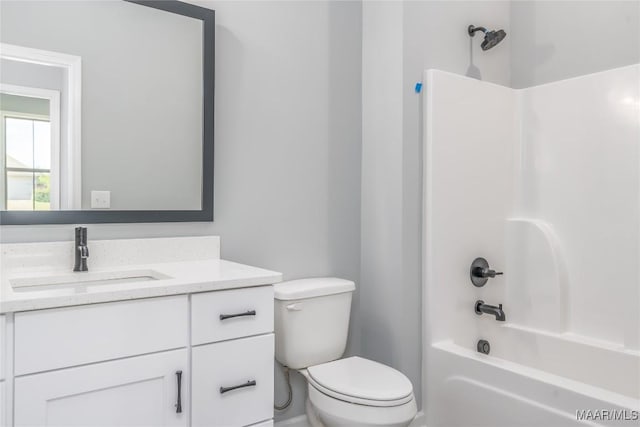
(80, 347)
(544, 183)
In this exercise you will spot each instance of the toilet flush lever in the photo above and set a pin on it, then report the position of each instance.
(294, 307)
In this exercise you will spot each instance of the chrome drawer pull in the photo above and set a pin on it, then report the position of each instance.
(229, 316)
(223, 390)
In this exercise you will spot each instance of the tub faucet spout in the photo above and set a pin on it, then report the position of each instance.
(481, 307)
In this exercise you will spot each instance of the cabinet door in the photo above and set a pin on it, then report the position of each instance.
(233, 382)
(139, 391)
(3, 356)
(3, 411)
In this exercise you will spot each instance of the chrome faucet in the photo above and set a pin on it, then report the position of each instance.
(81, 249)
(481, 307)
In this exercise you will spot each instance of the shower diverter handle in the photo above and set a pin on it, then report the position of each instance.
(486, 272)
(480, 272)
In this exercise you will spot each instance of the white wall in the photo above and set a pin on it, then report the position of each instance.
(288, 141)
(554, 40)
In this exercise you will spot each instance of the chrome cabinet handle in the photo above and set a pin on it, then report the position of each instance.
(251, 383)
(179, 403)
(246, 313)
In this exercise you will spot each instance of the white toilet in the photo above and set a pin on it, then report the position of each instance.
(311, 325)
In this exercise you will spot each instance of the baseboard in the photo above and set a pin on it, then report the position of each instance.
(301, 421)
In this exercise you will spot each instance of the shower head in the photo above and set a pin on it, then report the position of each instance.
(491, 38)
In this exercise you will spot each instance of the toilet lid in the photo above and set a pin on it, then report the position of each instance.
(363, 379)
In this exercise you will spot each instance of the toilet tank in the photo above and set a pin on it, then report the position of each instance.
(311, 320)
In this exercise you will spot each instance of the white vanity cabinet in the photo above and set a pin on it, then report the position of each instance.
(130, 363)
(136, 391)
(3, 361)
(71, 336)
(233, 391)
(232, 357)
(3, 405)
(112, 364)
(3, 355)
(224, 315)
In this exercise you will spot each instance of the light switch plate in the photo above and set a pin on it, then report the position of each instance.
(100, 199)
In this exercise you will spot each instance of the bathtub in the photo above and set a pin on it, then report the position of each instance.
(531, 379)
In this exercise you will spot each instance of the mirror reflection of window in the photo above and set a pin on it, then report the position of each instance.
(26, 154)
(28, 163)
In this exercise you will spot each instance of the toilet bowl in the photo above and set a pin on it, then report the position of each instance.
(311, 325)
(356, 392)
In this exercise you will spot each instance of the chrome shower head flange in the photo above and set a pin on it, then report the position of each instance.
(471, 30)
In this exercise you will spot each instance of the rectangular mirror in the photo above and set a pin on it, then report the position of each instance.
(106, 112)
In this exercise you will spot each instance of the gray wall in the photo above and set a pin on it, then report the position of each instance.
(555, 40)
(288, 141)
(387, 316)
(141, 95)
(32, 75)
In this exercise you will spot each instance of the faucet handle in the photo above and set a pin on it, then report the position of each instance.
(480, 272)
(487, 272)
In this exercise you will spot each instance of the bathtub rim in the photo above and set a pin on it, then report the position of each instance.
(574, 386)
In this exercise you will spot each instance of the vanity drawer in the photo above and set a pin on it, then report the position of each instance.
(56, 338)
(250, 312)
(228, 364)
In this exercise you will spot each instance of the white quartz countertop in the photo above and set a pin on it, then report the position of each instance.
(183, 277)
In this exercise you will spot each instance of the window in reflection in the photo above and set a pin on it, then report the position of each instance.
(27, 143)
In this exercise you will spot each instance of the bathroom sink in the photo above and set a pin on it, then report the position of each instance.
(85, 279)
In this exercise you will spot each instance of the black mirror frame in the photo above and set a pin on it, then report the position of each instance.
(207, 16)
